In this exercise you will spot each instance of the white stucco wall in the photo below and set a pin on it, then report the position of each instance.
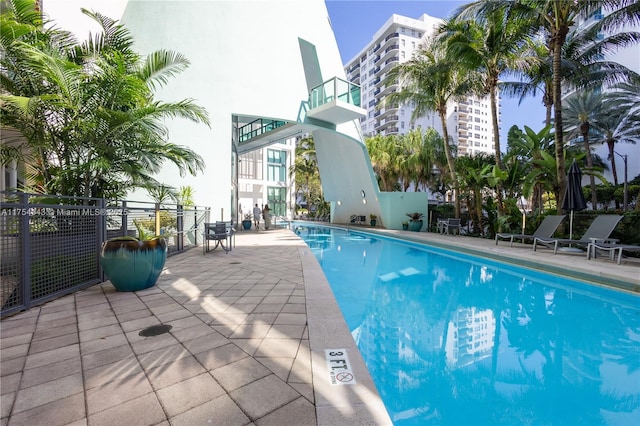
(245, 59)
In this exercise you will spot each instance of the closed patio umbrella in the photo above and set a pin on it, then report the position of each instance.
(573, 197)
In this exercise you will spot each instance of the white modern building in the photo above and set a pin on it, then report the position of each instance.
(468, 121)
(266, 72)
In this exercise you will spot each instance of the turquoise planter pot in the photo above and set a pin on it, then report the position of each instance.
(415, 225)
(133, 265)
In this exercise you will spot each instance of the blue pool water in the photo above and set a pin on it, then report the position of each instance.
(452, 339)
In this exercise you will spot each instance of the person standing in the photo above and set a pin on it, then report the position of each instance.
(256, 216)
(266, 216)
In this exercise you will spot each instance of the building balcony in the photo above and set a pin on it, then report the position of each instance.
(390, 63)
(391, 36)
(335, 101)
(389, 89)
(383, 113)
(258, 128)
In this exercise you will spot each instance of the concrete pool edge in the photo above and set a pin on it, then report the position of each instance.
(359, 402)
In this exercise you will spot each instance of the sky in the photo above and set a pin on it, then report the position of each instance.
(356, 21)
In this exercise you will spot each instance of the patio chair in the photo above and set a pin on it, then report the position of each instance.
(592, 248)
(450, 225)
(221, 233)
(545, 230)
(598, 232)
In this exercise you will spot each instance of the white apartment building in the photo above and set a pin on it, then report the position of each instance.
(469, 121)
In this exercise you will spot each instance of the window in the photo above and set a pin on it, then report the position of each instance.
(402, 54)
(402, 42)
(250, 166)
(276, 165)
(413, 45)
(277, 199)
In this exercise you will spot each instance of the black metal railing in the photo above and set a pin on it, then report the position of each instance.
(50, 245)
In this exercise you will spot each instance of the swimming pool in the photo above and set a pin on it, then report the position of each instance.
(454, 339)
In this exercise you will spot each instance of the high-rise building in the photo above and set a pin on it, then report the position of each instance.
(468, 121)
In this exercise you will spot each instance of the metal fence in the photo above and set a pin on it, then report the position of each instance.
(50, 245)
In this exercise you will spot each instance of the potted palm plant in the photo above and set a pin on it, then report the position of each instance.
(415, 221)
(373, 219)
(131, 263)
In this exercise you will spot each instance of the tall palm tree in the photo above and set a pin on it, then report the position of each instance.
(490, 45)
(620, 120)
(430, 80)
(579, 111)
(556, 18)
(535, 79)
(87, 110)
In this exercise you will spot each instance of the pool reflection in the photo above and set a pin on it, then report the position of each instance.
(451, 339)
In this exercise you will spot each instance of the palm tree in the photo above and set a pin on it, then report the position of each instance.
(619, 122)
(473, 173)
(386, 154)
(530, 148)
(536, 78)
(305, 170)
(430, 80)
(87, 110)
(491, 45)
(556, 18)
(579, 112)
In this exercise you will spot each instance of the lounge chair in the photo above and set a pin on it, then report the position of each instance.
(611, 248)
(450, 225)
(598, 232)
(545, 230)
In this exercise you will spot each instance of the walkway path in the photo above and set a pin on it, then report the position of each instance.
(239, 351)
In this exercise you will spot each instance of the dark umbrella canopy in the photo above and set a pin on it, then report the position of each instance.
(574, 197)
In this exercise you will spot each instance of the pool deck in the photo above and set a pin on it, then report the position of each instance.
(247, 344)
